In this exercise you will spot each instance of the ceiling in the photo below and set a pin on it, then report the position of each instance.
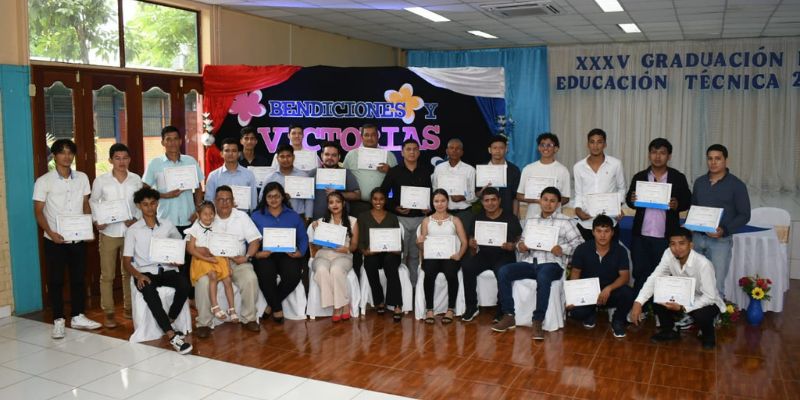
(579, 21)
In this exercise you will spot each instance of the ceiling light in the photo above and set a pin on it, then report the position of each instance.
(609, 5)
(427, 14)
(482, 34)
(629, 28)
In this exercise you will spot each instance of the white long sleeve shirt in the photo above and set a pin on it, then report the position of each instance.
(697, 267)
(609, 178)
(462, 169)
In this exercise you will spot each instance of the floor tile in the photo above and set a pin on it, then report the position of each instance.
(88, 345)
(174, 389)
(214, 374)
(684, 378)
(128, 354)
(124, 383)
(33, 389)
(10, 376)
(321, 390)
(169, 364)
(370, 395)
(81, 372)
(621, 368)
(41, 361)
(264, 385)
(489, 372)
(222, 395)
(611, 389)
(81, 394)
(670, 393)
(14, 349)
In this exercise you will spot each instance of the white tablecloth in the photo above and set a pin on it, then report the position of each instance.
(758, 253)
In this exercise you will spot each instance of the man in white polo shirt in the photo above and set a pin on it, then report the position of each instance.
(63, 191)
(453, 168)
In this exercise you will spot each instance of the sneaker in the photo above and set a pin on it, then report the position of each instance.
(538, 332)
(708, 342)
(58, 329)
(590, 322)
(470, 314)
(81, 322)
(110, 322)
(179, 344)
(507, 322)
(665, 336)
(685, 322)
(618, 328)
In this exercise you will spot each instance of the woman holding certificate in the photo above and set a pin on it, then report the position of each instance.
(439, 255)
(280, 255)
(381, 225)
(334, 239)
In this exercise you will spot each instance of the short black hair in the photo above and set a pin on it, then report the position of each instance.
(331, 144)
(59, 145)
(231, 140)
(284, 147)
(498, 138)
(490, 191)
(368, 125)
(116, 147)
(681, 231)
(247, 130)
(551, 190)
(169, 129)
(658, 143)
(145, 193)
(295, 126)
(547, 135)
(603, 220)
(596, 132)
(409, 141)
(223, 188)
(718, 147)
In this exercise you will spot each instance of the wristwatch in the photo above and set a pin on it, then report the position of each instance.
(250, 259)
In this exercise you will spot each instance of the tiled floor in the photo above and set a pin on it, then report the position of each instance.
(92, 366)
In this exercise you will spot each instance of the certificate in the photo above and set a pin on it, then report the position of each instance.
(454, 185)
(490, 233)
(329, 235)
(224, 245)
(74, 228)
(703, 219)
(331, 178)
(384, 239)
(168, 251)
(603, 204)
(305, 160)
(490, 174)
(674, 289)
(439, 247)
(582, 292)
(535, 184)
(279, 240)
(241, 197)
(110, 212)
(653, 195)
(369, 158)
(540, 237)
(183, 178)
(262, 173)
(299, 187)
(415, 197)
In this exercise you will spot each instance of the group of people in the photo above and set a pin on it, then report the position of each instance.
(371, 199)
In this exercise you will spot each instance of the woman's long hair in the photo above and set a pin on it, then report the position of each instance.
(345, 215)
(262, 204)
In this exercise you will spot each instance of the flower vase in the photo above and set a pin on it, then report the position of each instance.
(755, 314)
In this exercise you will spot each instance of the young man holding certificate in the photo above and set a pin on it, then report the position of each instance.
(304, 204)
(232, 174)
(654, 220)
(682, 261)
(327, 182)
(249, 157)
(148, 274)
(543, 173)
(607, 260)
(369, 165)
(498, 148)
(63, 195)
(304, 160)
(114, 211)
(411, 173)
(458, 179)
(542, 259)
(719, 188)
(491, 244)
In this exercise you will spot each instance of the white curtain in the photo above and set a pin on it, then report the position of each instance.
(760, 128)
(471, 81)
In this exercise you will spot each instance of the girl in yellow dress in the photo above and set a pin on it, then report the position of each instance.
(204, 263)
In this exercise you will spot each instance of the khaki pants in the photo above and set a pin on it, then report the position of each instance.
(110, 251)
(330, 273)
(245, 279)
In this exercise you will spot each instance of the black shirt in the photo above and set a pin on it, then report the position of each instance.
(399, 176)
(513, 231)
(591, 265)
(258, 161)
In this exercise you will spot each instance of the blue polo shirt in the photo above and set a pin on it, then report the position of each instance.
(288, 218)
(177, 210)
(239, 177)
(606, 268)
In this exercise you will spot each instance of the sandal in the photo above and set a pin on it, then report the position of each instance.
(430, 319)
(232, 315)
(448, 317)
(219, 314)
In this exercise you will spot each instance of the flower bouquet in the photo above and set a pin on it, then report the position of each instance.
(756, 287)
(731, 315)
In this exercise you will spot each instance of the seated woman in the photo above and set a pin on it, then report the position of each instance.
(274, 211)
(331, 265)
(377, 217)
(440, 223)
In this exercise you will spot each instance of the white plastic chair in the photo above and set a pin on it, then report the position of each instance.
(778, 218)
(145, 327)
(524, 294)
(487, 289)
(222, 300)
(439, 292)
(314, 307)
(405, 289)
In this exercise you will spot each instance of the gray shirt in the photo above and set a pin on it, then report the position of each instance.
(321, 198)
(730, 194)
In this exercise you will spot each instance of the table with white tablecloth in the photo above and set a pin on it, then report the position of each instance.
(758, 253)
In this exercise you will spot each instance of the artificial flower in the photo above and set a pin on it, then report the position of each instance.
(757, 293)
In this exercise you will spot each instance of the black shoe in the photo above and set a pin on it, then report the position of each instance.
(665, 336)
(618, 328)
(709, 343)
(591, 321)
(398, 316)
(470, 314)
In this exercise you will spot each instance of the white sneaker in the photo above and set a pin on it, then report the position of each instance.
(58, 329)
(81, 322)
(685, 322)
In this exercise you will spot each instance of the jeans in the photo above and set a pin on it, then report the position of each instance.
(544, 274)
(718, 251)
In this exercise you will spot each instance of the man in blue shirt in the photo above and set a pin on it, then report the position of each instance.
(232, 174)
(285, 157)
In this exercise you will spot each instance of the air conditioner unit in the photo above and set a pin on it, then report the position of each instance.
(521, 9)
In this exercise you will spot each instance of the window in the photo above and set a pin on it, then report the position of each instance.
(155, 36)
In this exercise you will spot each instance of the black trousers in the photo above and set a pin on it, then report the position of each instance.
(59, 258)
(475, 265)
(432, 269)
(703, 318)
(621, 298)
(267, 271)
(173, 279)
(390, 263)
(646, 253)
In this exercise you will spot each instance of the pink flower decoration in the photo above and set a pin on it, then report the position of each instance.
(246, 106)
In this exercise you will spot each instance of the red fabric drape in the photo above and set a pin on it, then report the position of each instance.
(221, 83)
